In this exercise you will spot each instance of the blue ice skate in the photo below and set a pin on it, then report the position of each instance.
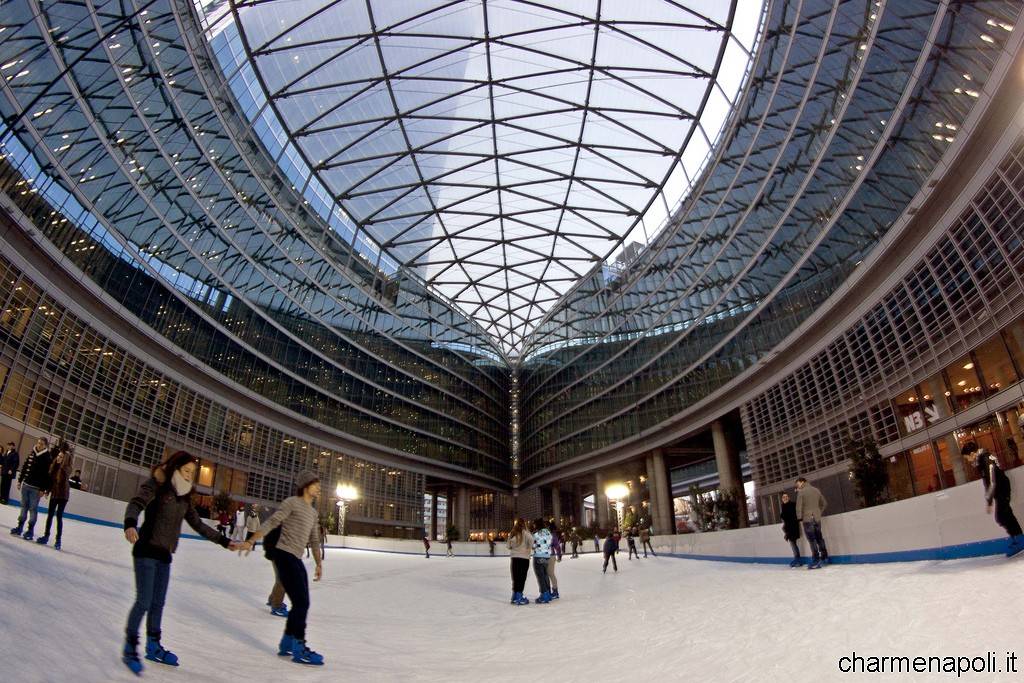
(131, 658)
(303, 655)
(156, 653)
(285, 647)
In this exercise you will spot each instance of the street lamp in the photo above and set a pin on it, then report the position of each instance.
(345, 493)
(617, 493)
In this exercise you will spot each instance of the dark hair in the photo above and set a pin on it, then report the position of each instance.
(174, 462)
(541, 523)
(801, 479)
(968, 448)
(64, 447)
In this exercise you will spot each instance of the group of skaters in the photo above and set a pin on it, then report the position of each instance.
(45, 472)
(164, 500)
(612, 541)
(805, 513)
(540, 540)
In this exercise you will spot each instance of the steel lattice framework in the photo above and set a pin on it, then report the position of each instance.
(500, 149)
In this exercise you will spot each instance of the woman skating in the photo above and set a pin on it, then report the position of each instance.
(520, 544)
(299, 527)
(166, 499)
(60, 493)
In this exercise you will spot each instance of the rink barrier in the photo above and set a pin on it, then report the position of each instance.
(944, 525)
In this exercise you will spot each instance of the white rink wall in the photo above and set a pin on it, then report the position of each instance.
(946, 524)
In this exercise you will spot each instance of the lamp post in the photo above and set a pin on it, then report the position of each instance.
(617, 493)
(345, 493)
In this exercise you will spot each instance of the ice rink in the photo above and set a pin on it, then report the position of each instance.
(386, 617)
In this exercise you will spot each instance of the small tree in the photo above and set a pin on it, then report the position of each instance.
(452, 532)
(222, 502)
(868, 472)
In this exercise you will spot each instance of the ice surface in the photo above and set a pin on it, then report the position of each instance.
(385, 617)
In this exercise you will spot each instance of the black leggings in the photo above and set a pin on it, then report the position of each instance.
(56, 507)
(611, 556)
(520, 568)
(1004, 517)
(292, 575)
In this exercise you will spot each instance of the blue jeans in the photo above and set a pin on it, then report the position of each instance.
(796, 550)
(540, 568)
(29, 506)
(151, 579)
(812, 530)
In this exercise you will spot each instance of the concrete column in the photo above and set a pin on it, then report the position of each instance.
(600, 501)
(463, 517)
(956, 459)
(662, 494)
(729, 475)
(577, 504)
(556, 504)
(433, 517)
(937, 394)
(652, 491)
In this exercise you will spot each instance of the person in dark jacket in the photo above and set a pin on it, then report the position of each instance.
(791, 528)
(75, 481)
(611, 546)
(426, 546)
(9, 462)
(60, 492)
(166, 499)
(33, 479)
(997, 492)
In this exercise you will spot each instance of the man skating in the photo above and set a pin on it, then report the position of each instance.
(997, 494)
(33, 478)
(810, 506)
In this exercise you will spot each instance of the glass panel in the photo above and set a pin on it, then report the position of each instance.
(901, 480)
(926, 474)
(996, 366)
(964, 383)
(910, 411)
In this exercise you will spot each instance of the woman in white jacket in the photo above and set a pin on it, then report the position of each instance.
(520, 544)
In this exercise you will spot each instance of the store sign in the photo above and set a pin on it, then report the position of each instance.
(919, 418)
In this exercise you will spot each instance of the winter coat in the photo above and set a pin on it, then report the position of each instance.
(610, 544)
(35, 471)
(165, 510)
(522, 547)
(645, 535)
(790, 523)
(252, 523)
(542, 543)
(9, 463)
(810, 503)
(997, 484)
(60, 473)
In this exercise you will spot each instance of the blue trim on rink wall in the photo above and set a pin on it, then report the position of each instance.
(994, 546)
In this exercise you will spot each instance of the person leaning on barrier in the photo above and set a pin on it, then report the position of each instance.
(810, 506)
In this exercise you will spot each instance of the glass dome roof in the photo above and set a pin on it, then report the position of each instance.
(500, 149)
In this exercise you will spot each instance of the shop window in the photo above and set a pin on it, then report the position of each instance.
(964, 384)
(925, 471)
(995, 364)
(909, 409)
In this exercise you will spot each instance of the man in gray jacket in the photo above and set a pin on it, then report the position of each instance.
(810, 506)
